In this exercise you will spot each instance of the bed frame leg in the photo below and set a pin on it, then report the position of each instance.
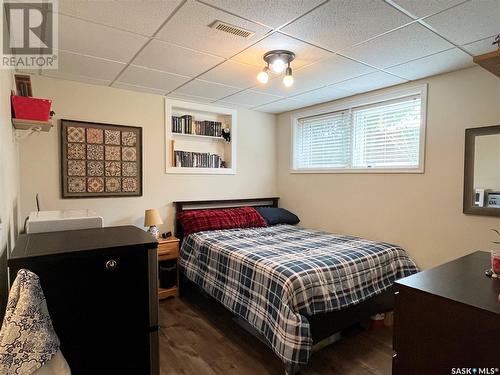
(291, 368)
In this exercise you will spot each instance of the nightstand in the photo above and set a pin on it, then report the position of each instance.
(168, 249)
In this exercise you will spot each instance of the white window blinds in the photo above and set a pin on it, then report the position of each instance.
(387, 134)
(382, 135)
(321, 141)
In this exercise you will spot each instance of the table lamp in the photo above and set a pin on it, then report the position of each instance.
(152, 219)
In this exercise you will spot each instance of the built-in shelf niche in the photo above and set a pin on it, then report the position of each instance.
(214, 145)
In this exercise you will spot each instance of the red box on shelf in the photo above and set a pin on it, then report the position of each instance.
(27, 108)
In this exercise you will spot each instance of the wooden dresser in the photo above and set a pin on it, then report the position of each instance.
(448, 318)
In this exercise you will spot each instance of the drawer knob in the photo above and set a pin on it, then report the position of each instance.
(111, 264)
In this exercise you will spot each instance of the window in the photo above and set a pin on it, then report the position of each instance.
(379, 134)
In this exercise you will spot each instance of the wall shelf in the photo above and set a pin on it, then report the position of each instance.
(41, 126)
(490, 61)
(197, 136)
(191, 149)
(186, 170)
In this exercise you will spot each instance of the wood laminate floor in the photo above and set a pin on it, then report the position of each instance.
(199, 337)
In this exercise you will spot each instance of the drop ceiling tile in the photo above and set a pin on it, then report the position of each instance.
(279, 106)
(233, 73)
(438, 63)
(304, 53)
(332, 70)
(369, 82)
(233, 105)
(250, 98)
(76, 78)
(272, 13)
(211, 90)
(189, 27)
(96, 40)
(482, 46)
(405, 44)
(427, 7)
(342, 23)
(190, 98)
(321, 95)
(142, 17)
(174, 59)
(149, 90)
(154, 79)
(471, 21)
(85, 66)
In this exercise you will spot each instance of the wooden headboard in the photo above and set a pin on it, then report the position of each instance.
(219, 204)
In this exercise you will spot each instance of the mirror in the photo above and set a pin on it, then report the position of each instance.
(482, 171)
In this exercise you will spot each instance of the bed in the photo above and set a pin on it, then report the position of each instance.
(294, 286)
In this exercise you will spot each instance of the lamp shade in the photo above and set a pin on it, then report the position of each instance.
(152, 217)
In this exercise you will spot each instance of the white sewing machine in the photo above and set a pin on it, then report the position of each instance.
(52, 221)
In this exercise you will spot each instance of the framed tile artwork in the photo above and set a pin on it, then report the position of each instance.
(100, 160)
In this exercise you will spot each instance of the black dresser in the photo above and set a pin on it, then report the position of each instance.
(447, 320)
(102, 294)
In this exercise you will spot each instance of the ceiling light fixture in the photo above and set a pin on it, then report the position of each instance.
(277, 61)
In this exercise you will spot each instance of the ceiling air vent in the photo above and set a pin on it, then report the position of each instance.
(232, 29)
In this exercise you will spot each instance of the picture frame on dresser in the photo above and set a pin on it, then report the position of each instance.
(100, 160)
(193, 138)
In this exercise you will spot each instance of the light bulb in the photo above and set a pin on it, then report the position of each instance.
(288, 79)
(263, 76)
(278, 65)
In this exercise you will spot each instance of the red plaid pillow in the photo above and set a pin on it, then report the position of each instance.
(200, 220)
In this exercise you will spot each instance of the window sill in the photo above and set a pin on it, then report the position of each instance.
(360, 171)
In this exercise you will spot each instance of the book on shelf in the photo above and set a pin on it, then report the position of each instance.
(209, 128)
(182, 124)
(188, 159)
(186, 125)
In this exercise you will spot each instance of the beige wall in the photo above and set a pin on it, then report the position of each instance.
(421, 212)
(256, 174)
(8, 182)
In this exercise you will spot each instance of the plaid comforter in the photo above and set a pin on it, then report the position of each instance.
(274, 277)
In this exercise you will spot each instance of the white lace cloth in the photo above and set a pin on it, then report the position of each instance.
(27, 337)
